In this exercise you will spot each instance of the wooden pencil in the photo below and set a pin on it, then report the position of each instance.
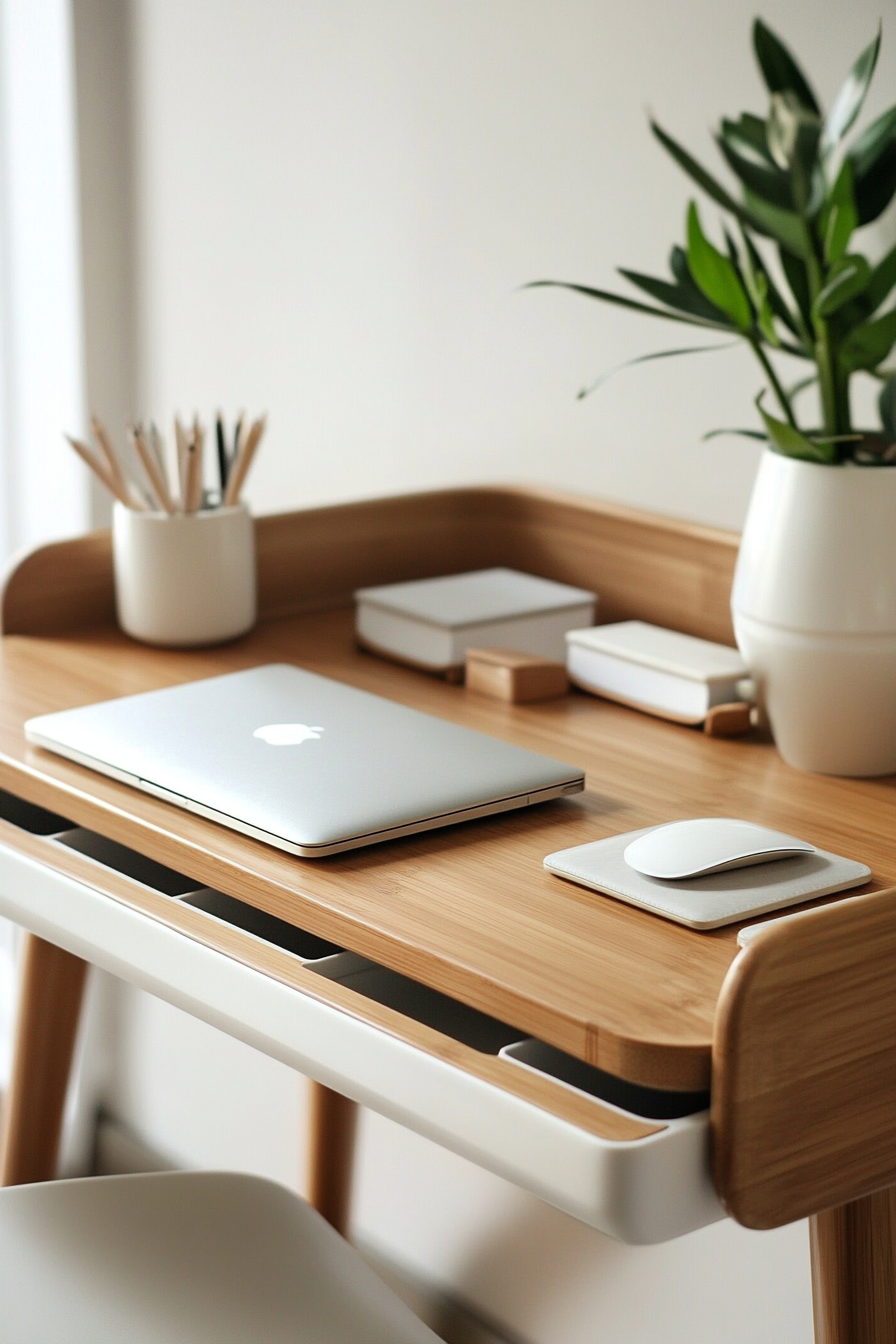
(196, 473)
(100, 470)
(169, 472)
(130, 493)
(157, 448)
(111, 456)
(240, 468)
(189, 474)
(154, 475)
(160, 479)
(156, 490)
(145, 486)
(180, 440)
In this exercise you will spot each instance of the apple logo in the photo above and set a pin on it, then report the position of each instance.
(286, 734)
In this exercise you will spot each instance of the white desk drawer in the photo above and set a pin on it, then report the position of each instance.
(640, 1190)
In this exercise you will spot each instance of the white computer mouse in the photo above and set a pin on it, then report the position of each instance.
(704, 845)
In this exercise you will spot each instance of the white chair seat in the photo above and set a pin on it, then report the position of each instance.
(185, 1258)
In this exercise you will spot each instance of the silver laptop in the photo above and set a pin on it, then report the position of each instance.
(300, 761)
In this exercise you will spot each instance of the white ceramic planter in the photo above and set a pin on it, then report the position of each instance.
(814, 607)
(184, 580)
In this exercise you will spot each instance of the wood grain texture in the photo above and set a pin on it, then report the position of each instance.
(333, 1120)
(470, 909)
(731, 720)
(519, 678)
(804, 1064)
(584, 1112)
(673, 573)
(52, 986)
(853, 1250)
(66, 585)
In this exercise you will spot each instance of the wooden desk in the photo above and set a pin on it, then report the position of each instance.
(469, 911)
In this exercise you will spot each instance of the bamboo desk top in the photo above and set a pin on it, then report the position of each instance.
(468, 910)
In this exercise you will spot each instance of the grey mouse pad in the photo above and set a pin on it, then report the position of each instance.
(711, 901)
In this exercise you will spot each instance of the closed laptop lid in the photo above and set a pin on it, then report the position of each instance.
(301, 761)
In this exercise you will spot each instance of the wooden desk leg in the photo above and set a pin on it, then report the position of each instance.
(854, 1271)
(49, 1007)
(331, 1146)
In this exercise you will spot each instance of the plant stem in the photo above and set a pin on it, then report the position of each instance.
(834, 398)
(823, 358)
(783, 399)
(841, 384)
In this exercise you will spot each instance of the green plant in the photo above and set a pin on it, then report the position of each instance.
(787, 281)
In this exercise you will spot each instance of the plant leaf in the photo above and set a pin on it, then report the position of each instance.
(785, 226)
(794, 134)
(748, 131)
(883, 278)
(759, 173)
(715, 274)
(779, 69)
(798, 279)
(779, 305)
(873, 159)
(756, 282)
(704, 179)
(818, 192)
(849, 100)
(840, 217)
(645, 359)
(848, 279)
(678, 265)
(853, 314)
(836, 438)
(606, 296)
(801, 386)
(798, 351)
(744, 434)
(886, 404)
(789, 441)
(731, 249)
(868, 345)
(759, 215)
(690, 300)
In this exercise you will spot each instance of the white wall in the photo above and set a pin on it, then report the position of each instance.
(335, 203)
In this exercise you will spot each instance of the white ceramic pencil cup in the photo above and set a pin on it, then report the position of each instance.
(184, 580)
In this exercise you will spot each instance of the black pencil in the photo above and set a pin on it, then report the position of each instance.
(223, 464)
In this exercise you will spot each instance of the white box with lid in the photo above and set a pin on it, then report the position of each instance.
(430, 623)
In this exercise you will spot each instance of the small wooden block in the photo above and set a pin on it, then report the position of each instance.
(728, 720)
(505, 674)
